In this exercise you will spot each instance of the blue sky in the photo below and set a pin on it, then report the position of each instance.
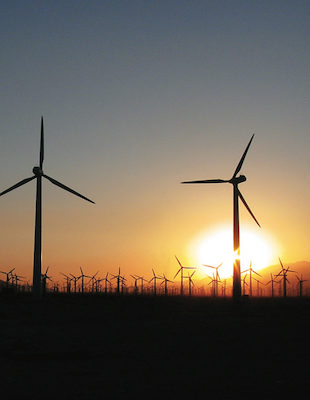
(138, 96)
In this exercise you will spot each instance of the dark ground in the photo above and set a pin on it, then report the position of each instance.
(151, 347)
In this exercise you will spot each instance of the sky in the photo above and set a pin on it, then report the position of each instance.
(138, 96)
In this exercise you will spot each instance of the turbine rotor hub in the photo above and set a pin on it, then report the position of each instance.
(238, 179)
(37, 171)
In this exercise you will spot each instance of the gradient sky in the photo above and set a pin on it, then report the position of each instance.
(138, 96)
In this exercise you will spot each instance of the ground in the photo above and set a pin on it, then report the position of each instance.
(93, 347)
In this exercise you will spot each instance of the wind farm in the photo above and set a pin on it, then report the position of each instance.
(176, 263)
(118, 305)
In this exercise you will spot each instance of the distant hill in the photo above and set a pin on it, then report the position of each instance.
(300, 267)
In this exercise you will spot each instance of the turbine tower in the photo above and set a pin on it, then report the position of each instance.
(235, 180)
(38, 174)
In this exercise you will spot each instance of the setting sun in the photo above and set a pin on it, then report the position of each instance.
(216, 246)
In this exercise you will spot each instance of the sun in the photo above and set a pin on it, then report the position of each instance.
(215, 247)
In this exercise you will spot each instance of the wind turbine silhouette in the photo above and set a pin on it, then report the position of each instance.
(300, 284)
(244, 283)
(38, 174)
(155, 280)
(272, 281)
(190, 282)
(44, 277)
(283, 273)
(251, 270)
(216, 268)
(235, 180)
(68, 280)
(9, 276)
(165, 282)
(82, 276)
(182, 276)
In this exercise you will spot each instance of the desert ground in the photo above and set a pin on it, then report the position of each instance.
(113, 347)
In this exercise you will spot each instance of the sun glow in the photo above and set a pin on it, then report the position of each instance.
(216, 246)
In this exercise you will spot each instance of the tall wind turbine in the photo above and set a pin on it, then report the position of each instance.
(38, 174)
(235, 180)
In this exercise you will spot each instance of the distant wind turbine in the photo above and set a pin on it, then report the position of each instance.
(106, 281)
(251, 270)
(272, 281)
(38, 174)
(182, 276)
(82, 276)
(244, 283)
(155, 280)
(120, 281)
(165, 282)
(235, 180)
(190, 282)
(9, 276)
(283, 273)
(142, 280)
(136, 278)
(68, 280)
(300, 284)
(75, 279)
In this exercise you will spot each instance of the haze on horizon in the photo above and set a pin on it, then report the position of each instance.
(137, 97)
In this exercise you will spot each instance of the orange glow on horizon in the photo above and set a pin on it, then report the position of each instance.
(215, 246)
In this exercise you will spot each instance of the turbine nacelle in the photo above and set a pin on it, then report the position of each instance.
(237, 179)
(37, 171)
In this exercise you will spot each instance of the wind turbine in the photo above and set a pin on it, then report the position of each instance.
(251, 270)
(9, 276)
(75, 279)
(300, 284)
(44, 277)
(16, 278)
(120, 280)
(244, 283)
(214, 281)
(106, 280)
(181, 270)
(190, 282)
(93, 282)
(235, 180)
(216, 268)
(142, 280)
(136, 278)
(283, 273)
(82, 276)
(68, 279)
(165, 282)
(258, 282)
(272, 281)
(155, 279)
(38, 174)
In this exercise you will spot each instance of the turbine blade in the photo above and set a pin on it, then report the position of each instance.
(208, 181)
(61, 185)
(247, 207)
(281, 263)
(42, 144)
(178, 261)
(210, 266)
(18, 185)
(242, 158)
(177, 273)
